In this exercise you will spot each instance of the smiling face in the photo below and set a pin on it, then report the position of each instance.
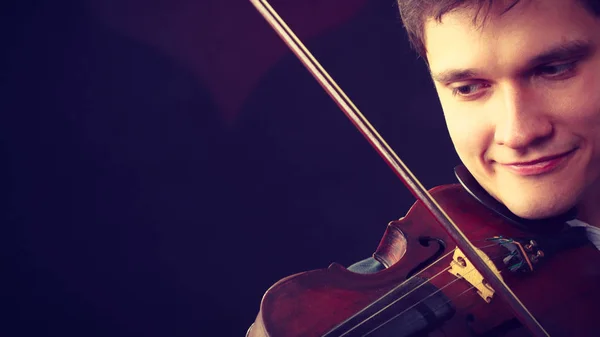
(521, 98)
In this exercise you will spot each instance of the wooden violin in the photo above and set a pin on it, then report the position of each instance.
(457, 264)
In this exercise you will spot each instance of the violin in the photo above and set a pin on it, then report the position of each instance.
(457, 264)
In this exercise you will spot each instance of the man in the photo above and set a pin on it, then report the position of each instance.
(519, 84)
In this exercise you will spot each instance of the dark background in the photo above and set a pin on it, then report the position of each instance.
(165, 162)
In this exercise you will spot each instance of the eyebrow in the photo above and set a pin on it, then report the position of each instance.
(564, 51)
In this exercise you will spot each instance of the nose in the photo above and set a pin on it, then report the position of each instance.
(522, 121)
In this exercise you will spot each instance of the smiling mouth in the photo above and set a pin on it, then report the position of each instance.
(540, 165)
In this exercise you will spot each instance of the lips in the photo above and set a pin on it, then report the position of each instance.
(539, 160)
(540, 165)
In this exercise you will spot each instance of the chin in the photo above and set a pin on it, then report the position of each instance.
(541, 207)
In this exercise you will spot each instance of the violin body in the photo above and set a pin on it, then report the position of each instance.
(561, 290)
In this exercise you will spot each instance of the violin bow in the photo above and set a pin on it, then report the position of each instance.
(401, 170)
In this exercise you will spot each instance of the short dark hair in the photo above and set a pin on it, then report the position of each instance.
(414, 13)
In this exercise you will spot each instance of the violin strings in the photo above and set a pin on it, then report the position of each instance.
(429, 280)
(426, 297)
(441, 305)
(434, 309)
(414, 305)
(414, 276)
(488, 246)
(417, 303)
(400, 285)
(395, 301)
(409, 292)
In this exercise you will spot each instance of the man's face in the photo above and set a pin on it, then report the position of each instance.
(521, 98)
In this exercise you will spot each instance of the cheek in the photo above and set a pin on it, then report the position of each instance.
(577, 109)
(577, 105)
(469, 133)
(580, 101)
(588, 128)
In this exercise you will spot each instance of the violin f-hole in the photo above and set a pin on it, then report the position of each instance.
(425, 241)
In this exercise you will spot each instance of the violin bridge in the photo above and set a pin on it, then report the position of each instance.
(461, 267)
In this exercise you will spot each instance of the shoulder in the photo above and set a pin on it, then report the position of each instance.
(367, 266)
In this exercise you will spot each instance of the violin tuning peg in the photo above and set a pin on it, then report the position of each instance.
(530, 245)
(535, 258)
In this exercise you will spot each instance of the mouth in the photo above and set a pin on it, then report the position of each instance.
(540, 165)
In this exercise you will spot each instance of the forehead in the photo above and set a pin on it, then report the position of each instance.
(505, 39)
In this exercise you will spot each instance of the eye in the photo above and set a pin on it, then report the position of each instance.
(557, 71)
(468, 90)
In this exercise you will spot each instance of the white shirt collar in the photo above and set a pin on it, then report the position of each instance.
(593, 232)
